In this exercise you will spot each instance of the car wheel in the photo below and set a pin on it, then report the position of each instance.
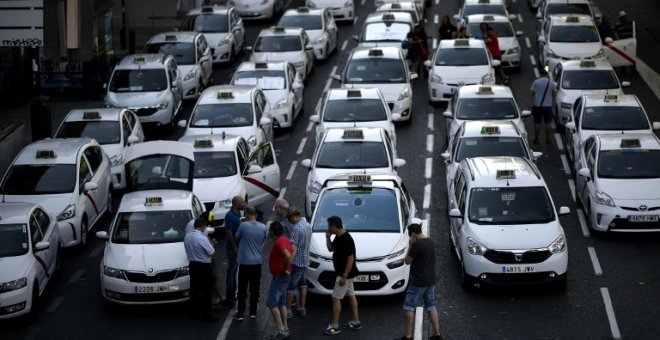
(83, 232)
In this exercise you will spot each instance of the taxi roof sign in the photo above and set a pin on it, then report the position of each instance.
(611, 98)
(375, 52)
(484, 1)
(261, 65)
(388, 16)
(353, 134)
(91, 115)
(353, 93)
(207, 9)
(505, 174)
(572, 19)
(489, 18)
(631, 143)
(490, 130)
(153, 200)
(485, 90)
(139, 60)
(587, 63)
(461, 43)
(395, 5)
(279, 29)
(203, 143)
(303, 9)
(359, 179)
(170, 37)
(225, 95)
(45, 154)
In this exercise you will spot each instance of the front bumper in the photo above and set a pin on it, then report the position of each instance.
(616, 219)
(402, 107)
(222, 54)
(69, 231)
(343, 13)
(153, 116)
(191, 88)
(257, 12)
(320, 51)
(483, 270)
(16, 303)
(563, 115)
(283, 118)
(124, 292)
(511, 60)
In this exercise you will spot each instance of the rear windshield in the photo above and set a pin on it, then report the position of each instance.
(104, 131)
(354, 110)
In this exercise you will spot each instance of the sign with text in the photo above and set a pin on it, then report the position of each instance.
(22, 23)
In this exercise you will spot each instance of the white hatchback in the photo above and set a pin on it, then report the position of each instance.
(342, 10)
(284, 44)
(319, 25)
(506, 36)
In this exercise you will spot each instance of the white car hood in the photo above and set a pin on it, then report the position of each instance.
(569, 96)
(142, 257)
(575, 50)
(466, 74)
(390, 92)
(111, 149)
(185, 69)
(513, 237)
(13, 267)
(54, 204)
(136, 99)
(344, 125)
(215, 189)
(508, 43)
(367, 245)
(243, 131)
(322, 174)
(214, 38)
(630, 189)
(313, 34)
(293, 56)
(274, 96)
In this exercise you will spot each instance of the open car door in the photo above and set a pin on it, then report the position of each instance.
(262, 175)
(159, 165)
(622, 52)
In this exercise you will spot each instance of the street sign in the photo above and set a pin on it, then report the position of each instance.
(22, 23)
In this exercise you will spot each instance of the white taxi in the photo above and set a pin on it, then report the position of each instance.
(29, 257)
(148, 84)
(492, 7)
(506, 36)
(384, 68)
(608, 114)
(222, 27)
(339, 151)
(383, 29)
(342, 10)
(356, 107)
(193, 58)
(566, 37)
(319, 25)
(225, 161)
(406, 7)
(457, 63)
(114, 129)
(284, 44)
(282, 85)
(575, 78)
(503, 224)
(618, 181)
(477, 102)
(69, 177)
(376, 210)
(258, 9)
(419, 4)
(548, 8)
(240, 110)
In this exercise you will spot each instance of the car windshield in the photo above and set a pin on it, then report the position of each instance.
(138, 80)
(206, 23)
(286, 43)
(104, 131)
(159, 171)
(386, 31)
(589, 80)
(306, 22)
(360, 209)
(574, 34)
(265, 79)
(148, 227)
(39, 179)
(510, 205)
(375, 70)
(486, 108)
(614, 118)
(502, 29)
(470, 147)
(215, 164)
(354, 110)
(483, 9)
(629, 163)
(222, 115)
(461, 57)
(13, 240)
(566, 8)
(183, 52)
(352, 155)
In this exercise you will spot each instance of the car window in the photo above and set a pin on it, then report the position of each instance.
(262, 156)
(126, 128)
(94, 155)
(43, 219)
(35, 231)
(197, 206)
(577, 111)
(84, 173)
(242, 155)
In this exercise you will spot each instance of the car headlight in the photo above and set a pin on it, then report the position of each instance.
(192, 74)
(474, 247)
(566, 106)
(224, 41)
(550, 54)
(319, 40)
(225, 203)
(116, 160)
(252, 141)
(436, 79)
(513, 50)
(183, 271)
(395, 264)
(13, 285)
(67, 213)
(404, 94)
(281, 104)
(113, 272)
(604, 199)
(299, 64)
(314, 187)
(600, 54)
(348, 3)
(231, 3)
(313, 255)
(107, 104)
(162, 105)
(486, 78)
(311, 4)
(558, 245)
(396, 254)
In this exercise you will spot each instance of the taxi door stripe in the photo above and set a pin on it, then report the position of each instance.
(262, 186)
(93, 202)
(622, 54)
(42, 263)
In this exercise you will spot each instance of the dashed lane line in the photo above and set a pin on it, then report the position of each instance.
(528, 43)
(651, 77)
(536, 72)
(301, 146)
(594, 261)
(430, 121)
(571, 185)
(289, 174)
(532, 59)
(55, 304)
(224, 331)
(564, 162)
(436, 19)
(77, 275)
(583, 222)
(560, 145)
(609, 309)
(426, 223)
(355, 20)
(429, 143)
(344, 44)
(427, 196)
(310, 126)
(282, 192)
(419, 318)
(435, 43)
(428, 170)
(520, 19)
(362, 2)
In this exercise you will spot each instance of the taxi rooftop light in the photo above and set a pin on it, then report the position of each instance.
(395, 5)
(358, 134)
(490, 130)
(207, 9)
(91, 115)
(611, 98)
(303, 10)
(359, 179)
(353, 94)
(170, 37)
(388, 16)
(631, 143)
(587, 63)
(203, 143)
(139, 60)
(484, 1)
(261, 65)
(489, 18)
(572, 19)
(461, 43)
(225, 95)
(45, 154)
(485, 90)
(506, 174)
(375, 52)
(153, 200)
(279, 29)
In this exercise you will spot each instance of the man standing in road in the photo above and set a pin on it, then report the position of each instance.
(199, 251)
(250, 237)
(281, 207)
(279, 264)
(624, 27)
(421, 258)
(342, 248)
(301, 236)
(232, 222)
(543, 91)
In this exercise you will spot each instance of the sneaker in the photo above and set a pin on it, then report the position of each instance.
(279, 335)
(253, 316)
(435, 337)
(289, 315)
(330, 330)
(227, 304)
(353, 325)
(238, 317)
(300, 312)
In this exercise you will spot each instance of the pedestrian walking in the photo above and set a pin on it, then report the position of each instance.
(543, 90)
(279, 264)
(232, 222)
(250, 238)
(281, 207)
(421, 258)
(447, 30)
(199, 251)
(342, 248)
(301, 236)
(487, 34)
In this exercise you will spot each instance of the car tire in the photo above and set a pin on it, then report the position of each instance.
(467, 283)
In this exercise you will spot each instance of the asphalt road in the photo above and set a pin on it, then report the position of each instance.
(613, 286)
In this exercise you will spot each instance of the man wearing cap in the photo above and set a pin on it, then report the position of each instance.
(624, 28)
(301, 236)
(421, 258)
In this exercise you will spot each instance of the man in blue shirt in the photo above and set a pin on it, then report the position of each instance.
(301, 236)
(232, 222)
(543, 90)
(250, 236)
(199, 251)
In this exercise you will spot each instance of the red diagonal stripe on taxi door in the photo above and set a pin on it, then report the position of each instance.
(262, 186)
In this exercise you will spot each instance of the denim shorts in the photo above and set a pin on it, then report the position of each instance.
(298, 278)
(542, 114)
(414, 296)
(277, 291)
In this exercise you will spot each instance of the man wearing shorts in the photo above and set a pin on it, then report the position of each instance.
(279, 263)
(421, 258)
(301, 236)
(543, 90)
(343, 260)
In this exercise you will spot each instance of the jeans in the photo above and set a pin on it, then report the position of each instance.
(277, 291)
(201, 281)
(248, 274)
(230, 281)
(414, 296)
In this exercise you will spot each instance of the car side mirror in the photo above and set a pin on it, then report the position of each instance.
(210, 230)
(564, 210)
(398, 162)
(625, 83)
(103, 235)
(539, 16)
(264, 121)
(536, 155)
(236, 29)
(396, 116)
(584, 172)
(105, 86)
(306, 163)
(455, 213)
(413, 76)
(656, 125)
(314, 119)
(427, 63)
(254, 169)
(43, 245)
(609, 40)
(456, 17)
(336, 77)
(541, 40)
(356, 38)
(446, 157)
(570, 126)
(182, 123)
(132, 139)
(157, 170)
(174, 84)
(296, 85)
(309, 48)
(447, 114)
(496, 63)
(526, 113)
(90, 186)
(513, 17)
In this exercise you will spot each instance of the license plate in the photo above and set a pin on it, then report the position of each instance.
(642, 218)
(361, 278)
(517, 269)
(151, 289)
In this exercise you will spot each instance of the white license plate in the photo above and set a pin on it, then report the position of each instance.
(517, 269)
(642, 218)
(151, 289)
(361, 278)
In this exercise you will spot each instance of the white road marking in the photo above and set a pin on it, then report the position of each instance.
(427, 196)
(514, 1)
(362, 2)
(222, 335)
(302, 145)
(355, 19)
(310, 126)
(532, 59)
(571, 185)
(609, 309)
(528, 43)
(428, 170)
(536, 72)
(651, 77)
(435, 43)
(425, 224)
(77, 275)
(419, 318)
(594, 261)
(436, 19)
(291, 170)
(429, 143)
(344, 44)
(55, 304)
(437, 2)
(282, 192)
(583, 222)
(520, 18)
(32, 333)
(430, 121)
(560, 145)
(98, 250)
(317, 107)
(564, 162)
